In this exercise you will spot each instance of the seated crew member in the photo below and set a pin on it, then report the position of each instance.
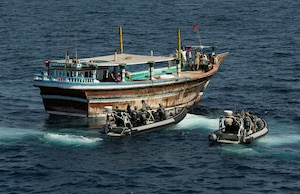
(145, 106)
(161, 113)
(228, 122)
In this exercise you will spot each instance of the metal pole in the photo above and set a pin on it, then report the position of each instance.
(178, 53)
(151, 68)
(121, 39)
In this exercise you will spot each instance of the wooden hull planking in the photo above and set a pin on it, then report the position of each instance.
(91, 103)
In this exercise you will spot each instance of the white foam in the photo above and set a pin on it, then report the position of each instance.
(13, 134)
(66, 139)
(238, 149)
(273, 140)
(192, 121)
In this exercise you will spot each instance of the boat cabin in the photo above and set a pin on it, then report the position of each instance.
(127, 67)
(111, 68)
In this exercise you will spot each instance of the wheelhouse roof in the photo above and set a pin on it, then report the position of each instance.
(128, 59)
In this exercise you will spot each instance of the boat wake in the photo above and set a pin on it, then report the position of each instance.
(266, 147)
(197, 122)
(272, 140)
(14, 135)
(71, 140)
(239, 149)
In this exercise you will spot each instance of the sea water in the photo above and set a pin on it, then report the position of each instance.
(42, 154)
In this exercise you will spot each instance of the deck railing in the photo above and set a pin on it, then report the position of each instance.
(65, 79)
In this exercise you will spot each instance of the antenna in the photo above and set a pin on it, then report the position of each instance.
(199, 37)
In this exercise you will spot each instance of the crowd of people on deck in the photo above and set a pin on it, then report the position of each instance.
(200, 60)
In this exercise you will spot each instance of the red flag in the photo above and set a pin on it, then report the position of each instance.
(195, 27)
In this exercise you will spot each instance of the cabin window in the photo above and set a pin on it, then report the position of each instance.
(100, 75)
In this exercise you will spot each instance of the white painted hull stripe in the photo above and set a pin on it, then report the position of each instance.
(59, 97)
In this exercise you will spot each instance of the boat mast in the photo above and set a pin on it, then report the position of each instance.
(67, 61)
(178, 53)
(75, 52)
(121, 39)
(67, 52)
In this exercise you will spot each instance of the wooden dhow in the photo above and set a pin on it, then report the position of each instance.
(84, 87)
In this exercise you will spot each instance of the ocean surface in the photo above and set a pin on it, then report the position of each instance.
(42, 154)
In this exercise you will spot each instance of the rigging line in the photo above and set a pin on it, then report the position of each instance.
(75, 47)
(67, 35)
(199, 37)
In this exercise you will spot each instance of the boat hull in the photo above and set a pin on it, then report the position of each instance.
(91, 103)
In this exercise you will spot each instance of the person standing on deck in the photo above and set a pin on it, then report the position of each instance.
(197, 60)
